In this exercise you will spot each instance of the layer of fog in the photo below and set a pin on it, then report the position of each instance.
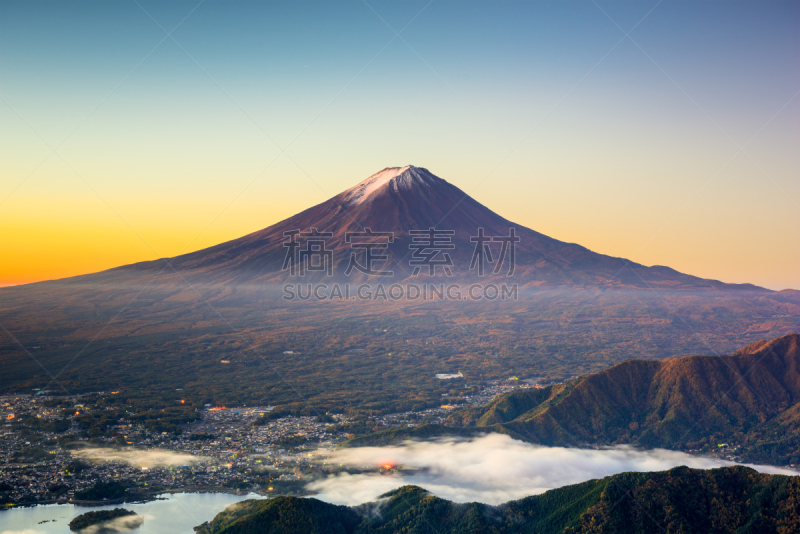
(491, 469)
(137, 458)
(119, 524)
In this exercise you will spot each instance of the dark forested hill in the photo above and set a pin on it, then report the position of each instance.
(731, 499)
(750, 398)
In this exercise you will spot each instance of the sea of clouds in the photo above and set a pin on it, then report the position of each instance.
(491, 469)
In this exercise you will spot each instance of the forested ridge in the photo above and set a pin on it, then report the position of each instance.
(681, 500)
(749, 400)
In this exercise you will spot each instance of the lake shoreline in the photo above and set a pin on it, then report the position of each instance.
(139, 498)
(169, 513)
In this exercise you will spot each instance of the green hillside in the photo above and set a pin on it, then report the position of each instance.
(682, 500)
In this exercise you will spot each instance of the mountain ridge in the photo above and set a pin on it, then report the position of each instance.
(750, 398)
(717, 501)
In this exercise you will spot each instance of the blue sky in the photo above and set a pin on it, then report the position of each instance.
(674, 145)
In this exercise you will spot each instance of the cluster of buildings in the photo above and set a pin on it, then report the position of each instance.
(222, 452)
(228, 449)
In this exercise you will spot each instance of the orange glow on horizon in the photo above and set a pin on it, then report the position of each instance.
(46, 238)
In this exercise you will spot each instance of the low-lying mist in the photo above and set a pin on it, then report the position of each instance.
(119, 524)
(135, 458)
(491, 469)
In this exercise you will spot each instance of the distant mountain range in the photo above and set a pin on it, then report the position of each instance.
(401, 201)
(681, 500)
(750, 399)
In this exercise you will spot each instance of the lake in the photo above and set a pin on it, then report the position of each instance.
(175, 515)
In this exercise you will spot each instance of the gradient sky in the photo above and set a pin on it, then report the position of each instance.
(677, 145)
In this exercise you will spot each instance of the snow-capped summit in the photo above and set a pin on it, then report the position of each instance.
(394, 177)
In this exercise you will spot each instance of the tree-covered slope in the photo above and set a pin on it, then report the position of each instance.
(283, 515)
(733, 499)
(682, 500)
(751, 397)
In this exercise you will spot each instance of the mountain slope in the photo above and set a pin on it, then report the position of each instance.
(750, 398)
(403, 199)
(672, 403)
(148, 325)
(732, 499)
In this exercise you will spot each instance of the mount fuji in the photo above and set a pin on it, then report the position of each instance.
(170, 323)
(401, 201)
